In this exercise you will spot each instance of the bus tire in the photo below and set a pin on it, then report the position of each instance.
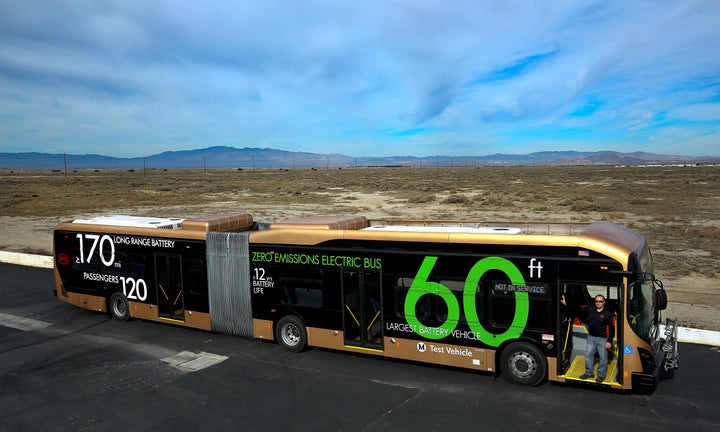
(523, 363)
(118, 307)
(291, 334)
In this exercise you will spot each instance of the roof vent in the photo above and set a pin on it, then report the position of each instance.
(324, 223)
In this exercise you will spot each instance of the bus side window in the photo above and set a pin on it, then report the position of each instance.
(137, 266)
(92, 266)
(610, 292)
(301, 291)
(575, 294)
(503, 305)
(120, 266)
(195, 278)
(441, 310)
(502, 308)
(423, 308)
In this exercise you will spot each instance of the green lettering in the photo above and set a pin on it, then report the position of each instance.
(522, 305)
(420, 287)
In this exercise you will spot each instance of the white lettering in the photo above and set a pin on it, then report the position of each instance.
(134, 289)
(435, 331)
(463, 352)
(532, 267)
(163, 243)
(462, 334)
(97, 277)
(451, 350)
(260, 284)
(402, 327)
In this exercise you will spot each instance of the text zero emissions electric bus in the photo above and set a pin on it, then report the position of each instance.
(481, 296)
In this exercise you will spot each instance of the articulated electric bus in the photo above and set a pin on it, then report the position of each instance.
(480, 296)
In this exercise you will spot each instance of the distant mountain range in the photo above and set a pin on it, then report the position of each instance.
(230, 157)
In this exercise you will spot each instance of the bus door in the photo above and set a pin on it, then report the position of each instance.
(362, 316)
(168, 277)
(574, 334)
(575, 294)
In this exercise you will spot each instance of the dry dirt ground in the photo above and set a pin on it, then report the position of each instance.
(678, 210)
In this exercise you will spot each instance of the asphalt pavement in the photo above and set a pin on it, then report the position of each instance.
(67, 369)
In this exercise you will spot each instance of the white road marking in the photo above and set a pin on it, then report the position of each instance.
(21, 323)
(193, 362)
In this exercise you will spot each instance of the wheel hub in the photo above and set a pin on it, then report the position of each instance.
(291, 335)
(523, 364)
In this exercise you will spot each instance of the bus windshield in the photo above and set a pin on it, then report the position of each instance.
(641, 299)
(641, 308)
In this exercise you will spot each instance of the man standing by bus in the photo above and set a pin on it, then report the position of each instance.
(600, 323)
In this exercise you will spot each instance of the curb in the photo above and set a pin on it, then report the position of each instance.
(26, 259)
(697, 336)
(685, 334)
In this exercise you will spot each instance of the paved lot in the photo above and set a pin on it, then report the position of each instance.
(67, 369)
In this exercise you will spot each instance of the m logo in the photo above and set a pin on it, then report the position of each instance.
(63, 259)
(421, 347)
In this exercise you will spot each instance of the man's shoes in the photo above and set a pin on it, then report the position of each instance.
(585, 376)
(600, 379)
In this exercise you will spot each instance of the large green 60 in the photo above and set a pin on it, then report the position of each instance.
(421, 286)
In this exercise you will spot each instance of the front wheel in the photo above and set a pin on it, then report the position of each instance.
(290, 333)
(118, 306)
(522, 363)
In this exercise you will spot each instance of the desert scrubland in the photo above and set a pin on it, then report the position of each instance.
(676, 208)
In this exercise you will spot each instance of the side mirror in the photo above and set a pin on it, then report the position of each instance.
(661, 299)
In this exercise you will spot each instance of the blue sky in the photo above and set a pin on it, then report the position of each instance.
(364, 78)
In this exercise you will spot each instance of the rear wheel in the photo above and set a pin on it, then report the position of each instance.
(118, 306)
(522, 363)
(290, 333)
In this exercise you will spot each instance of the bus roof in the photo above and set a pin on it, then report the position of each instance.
(447, 229)
(323, 223)
(606, 238)
(191, 228)
(603, 237)
(133, 221)
(221, 222)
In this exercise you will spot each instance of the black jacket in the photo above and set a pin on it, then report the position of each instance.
(599, 324)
